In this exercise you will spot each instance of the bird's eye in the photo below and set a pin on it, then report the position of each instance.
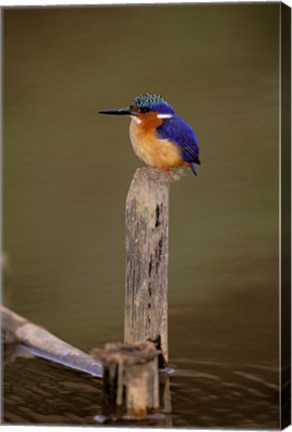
(144, 110)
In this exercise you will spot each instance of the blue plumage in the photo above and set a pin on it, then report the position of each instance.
(162, 108)
(178, 131)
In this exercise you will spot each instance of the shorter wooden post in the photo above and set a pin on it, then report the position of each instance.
(131, 379)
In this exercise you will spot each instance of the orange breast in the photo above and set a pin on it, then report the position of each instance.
(152, 150)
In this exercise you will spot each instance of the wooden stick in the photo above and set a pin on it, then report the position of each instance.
(147, 209)
(131, 379)
(40, 342)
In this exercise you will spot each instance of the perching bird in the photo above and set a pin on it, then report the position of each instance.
(159, 137)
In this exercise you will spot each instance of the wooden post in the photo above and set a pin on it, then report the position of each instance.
(131, 379)
(147, 208)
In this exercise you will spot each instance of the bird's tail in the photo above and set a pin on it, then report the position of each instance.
(192, 165)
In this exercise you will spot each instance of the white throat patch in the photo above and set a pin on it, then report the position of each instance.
(136, 119)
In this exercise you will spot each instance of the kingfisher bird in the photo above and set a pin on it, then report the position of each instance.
(159, 137)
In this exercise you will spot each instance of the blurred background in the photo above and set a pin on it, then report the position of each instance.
(66, 176)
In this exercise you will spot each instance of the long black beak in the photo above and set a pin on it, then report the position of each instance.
(121, 111)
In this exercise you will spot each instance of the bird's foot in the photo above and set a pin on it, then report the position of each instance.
(166, 169)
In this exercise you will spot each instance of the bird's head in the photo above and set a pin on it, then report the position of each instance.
(145, 107)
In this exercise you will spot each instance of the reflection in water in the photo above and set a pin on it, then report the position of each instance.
(220, 399)
(49, 394)
(66, 177)
(217, 395)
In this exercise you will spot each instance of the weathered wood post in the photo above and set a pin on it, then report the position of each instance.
(130, 381)
(147, 210)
